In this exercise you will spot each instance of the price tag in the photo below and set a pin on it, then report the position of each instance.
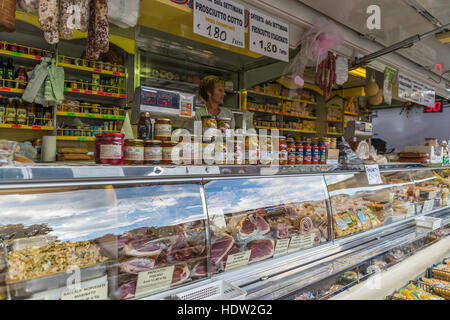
(17, 54)
(373, 174)
(5, 89)
(237, 260)
(301, 242)
(88, 91)
(432, 195)
(113, 117)
(38, 57)
(220, 20)
(123, 96)
(104, 116)
(154, 280)
(75, 90)
(428, 206)
(66, 89)
(411, 209)
(100, 93)
(81, 139)
(71, 114)
(36, 127)
(121, 118)
(108, 94)
(89, 115)
(269, 36)
(96, 292)
(17, 126)
(116, 73)
(98, 70)
(281, 247)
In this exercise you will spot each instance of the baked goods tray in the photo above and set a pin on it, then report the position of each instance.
(25, 288)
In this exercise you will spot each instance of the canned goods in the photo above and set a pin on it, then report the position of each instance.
(291, 152)
(95, 79)
(307, 153)
(299, 153)
(314, 153)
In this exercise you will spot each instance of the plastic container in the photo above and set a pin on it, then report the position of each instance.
(428, 222)
(110, 148)
(218, 290)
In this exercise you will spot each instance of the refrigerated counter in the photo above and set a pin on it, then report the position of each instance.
(155, 232)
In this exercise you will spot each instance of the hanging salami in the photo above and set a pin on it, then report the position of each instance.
(83, 5)
(326, 75)
(66, 17)
(101, 26)
(29, 6)
(91, 52)
(48, 15)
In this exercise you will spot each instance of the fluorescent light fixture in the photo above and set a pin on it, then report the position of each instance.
(358, 72)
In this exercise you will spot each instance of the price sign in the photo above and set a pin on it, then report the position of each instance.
(269, 36)
(237, 260)
(411, 209)
(415, 91)
(281, 247)
(96, 292)
(373, 174)
(220, 20)
(154, 280)
(428, 206)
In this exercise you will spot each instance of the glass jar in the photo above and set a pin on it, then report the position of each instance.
(110, 148)
(163, 129)
(22, 77)
(224, 124)
(315, 153)
(85, 107)
(10, 114)
(21, 113)
(333, 143)
(251, 149)
(145, 126)
(208, 123)
(265, 150)
(134, 152)
(167, 158)
(307, 157)
(153, 151)
(291, 152)
(282, 155)
(299, 153)
(107, 66)
(239, 149)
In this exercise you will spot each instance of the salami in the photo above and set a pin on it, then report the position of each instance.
(52, 36)
(29, 6)
(66, 14)
(91, 52)
(84, 15)
(326, 75)
(48, 16)
(101, 26)
(306, 224)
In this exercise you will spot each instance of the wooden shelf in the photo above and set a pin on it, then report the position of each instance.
(282, 113)
(25, 127)
(280, 97)
(90, 115)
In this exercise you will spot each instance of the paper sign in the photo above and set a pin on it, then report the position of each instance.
(269, 36)
(415, 91)
(186, 106)
(373, 174)
(411, 209)
(237, 260)
(428, 206)
(220, 20)
(281, 247)
(432, 195)
(154, 280)
(96, 292)
(301, 242)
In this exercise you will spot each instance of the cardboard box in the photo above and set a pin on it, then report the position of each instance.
(333, 156)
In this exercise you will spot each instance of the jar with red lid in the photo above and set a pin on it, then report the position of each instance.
(110, 148)
(283, 154)
(307, 153)
(291, 151)
(322, 153)
(314, 153)
(299, 153)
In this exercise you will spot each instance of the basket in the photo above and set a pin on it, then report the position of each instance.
(218, 290)
(7, 15)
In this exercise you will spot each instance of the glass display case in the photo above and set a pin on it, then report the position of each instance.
(130, 237)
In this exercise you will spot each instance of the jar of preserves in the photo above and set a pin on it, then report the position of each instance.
(251, 149)
(333, 142)
(22, 77)
(167, 157)
(10, 116)
(239, 149)
(107, 66)
(134, 152)
(220, 153)
(322, 154)
(163, 129)
(306, 153)
(12, 47)
(291, 152)
(265, 150)
(299, 153)
(224, 125)
(145, 126)
(209, 127)
(153, 152)
(21, 113)
(110, 148)
(314, 153)
(85, 107)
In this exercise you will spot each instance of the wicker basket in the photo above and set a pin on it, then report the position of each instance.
(7, 15)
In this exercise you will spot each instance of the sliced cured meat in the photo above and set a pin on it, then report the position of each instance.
(180, 274)
(123, 239)
(127, 290)
(317, 236)
(306, 224)
(143, 247)
(200, 269)
(282, 231)
(324, 231)
(184, 254)
(180, 242)
(261, 224)
(293, 232)
(220, 248)
(137, 265)
(247, 227)
(260, 250)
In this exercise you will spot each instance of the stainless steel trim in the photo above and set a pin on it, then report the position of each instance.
(207, 230)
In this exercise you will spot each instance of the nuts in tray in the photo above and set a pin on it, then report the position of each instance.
(52, 258)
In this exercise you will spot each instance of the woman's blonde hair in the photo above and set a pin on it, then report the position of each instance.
(208, 84)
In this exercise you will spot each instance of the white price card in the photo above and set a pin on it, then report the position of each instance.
(428, 206)
(154, 280)
(404, 86)
(281, 247)
(269, 36)
(373, 174)
(411, 209)
(237, 260)
(301, 242)
(95, 292)
(220, 20)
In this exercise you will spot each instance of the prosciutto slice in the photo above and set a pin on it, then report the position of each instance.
(127, 290)
(260, 250)
(180, 274)
(143, 247)
(220, 248)
(137, 265)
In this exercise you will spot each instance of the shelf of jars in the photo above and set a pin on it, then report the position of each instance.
(23, 52)
(92, 89)
(25, 127)
(285, 129)
(90, 115)
(12, 86)
(89, 66)
(279, 97)
(86, 110)
(281, 113)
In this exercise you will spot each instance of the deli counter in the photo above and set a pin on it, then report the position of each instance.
(107, 232)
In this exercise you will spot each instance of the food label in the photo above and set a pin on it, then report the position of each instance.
(411, 209)
(281, 247)
(96, 292)
(220, 20)
(301, 242)
(134, 153)
(428, 206)
(153, 153)
(269, 36)
(373, 174)
(154, 280)
(348, 220)
(163, 130)
(432, 195)
(237, 260)
(340, 223)
(110, 151)
(362, 217)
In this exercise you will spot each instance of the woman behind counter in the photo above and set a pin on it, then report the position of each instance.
(212, 90)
